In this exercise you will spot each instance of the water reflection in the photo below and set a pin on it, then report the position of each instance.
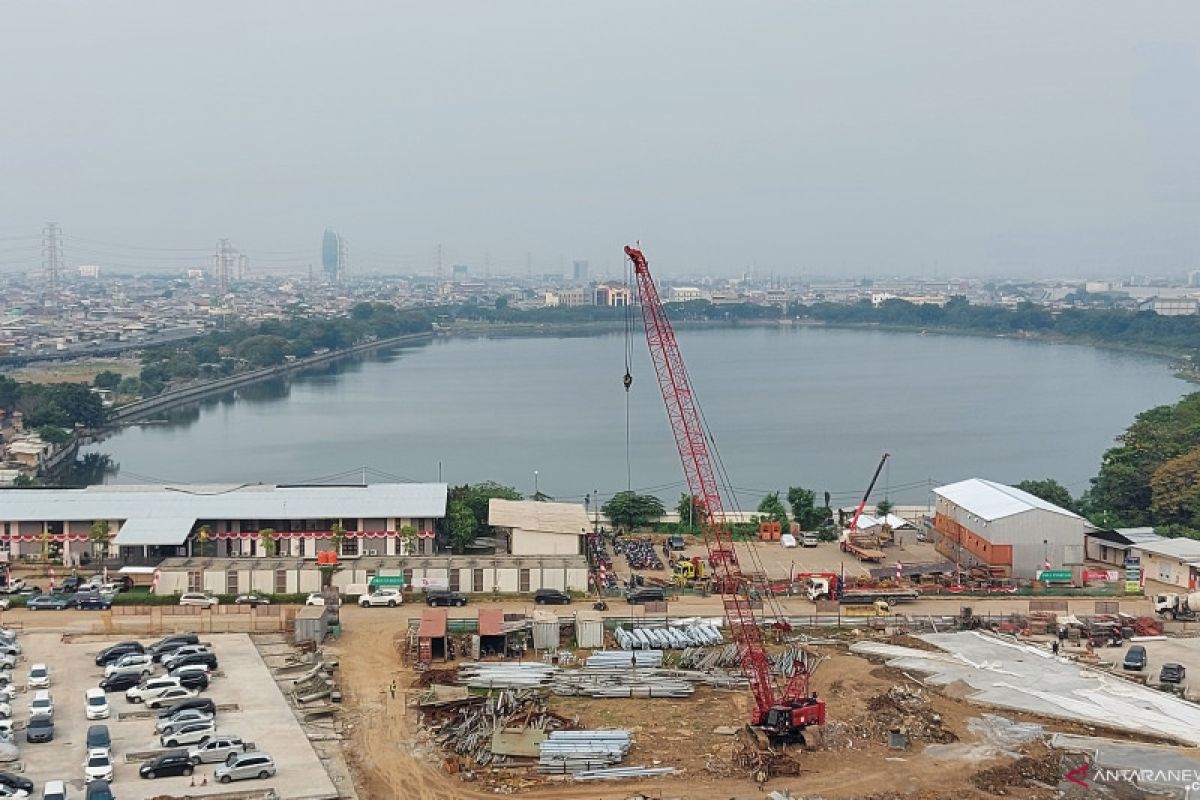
(84, 471)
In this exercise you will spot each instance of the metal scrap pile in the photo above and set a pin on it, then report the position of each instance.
(905, 711)
(669, 638)
(467, 728)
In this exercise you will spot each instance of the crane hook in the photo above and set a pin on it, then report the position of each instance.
(628, 381)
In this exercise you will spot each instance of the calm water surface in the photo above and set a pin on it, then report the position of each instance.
(811, 407)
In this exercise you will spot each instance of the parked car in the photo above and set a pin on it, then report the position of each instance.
(98, 766)
(70, 583)
(205, 703)
(1172, 673)
(137, 663)
(183, 669)
(191, 733)
(186, 650)
(1135, 658)
(185, 717)
(99, 790)
(209, 660)
(676, 542)
(12, 587)
(5, 604)
(7, 661)
(443, 597)
(252, 600)
(16, 781)
(53, 790)
(384, 597)
(121, 681)
(8, 791)
(216, 749)
(40, 728)
(47, 602)
(39, 677)
(191, 679)
(92, 600)
(174, 762)
(198, 599)
(111, 654)
(646, 594)
(10, 648)
(241, 766)
(95, 704)
(551, 597)
(171, 694)
(98, 737)
(315, 599)
(171, 643)
(42, 703)
(149, 687)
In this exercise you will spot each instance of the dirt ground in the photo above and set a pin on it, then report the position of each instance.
(83, 371)
(391, 760)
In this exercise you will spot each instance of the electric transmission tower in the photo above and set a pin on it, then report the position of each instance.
(52, 254)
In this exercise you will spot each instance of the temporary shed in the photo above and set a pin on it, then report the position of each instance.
(312, 624)
(431, 635)
(589, 629)
(491, 632)
(545, 630)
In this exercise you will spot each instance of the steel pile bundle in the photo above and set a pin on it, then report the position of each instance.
(669, 638)
(623, 658)
(786, 662)
(617, 773)
(707, 658)
(489, 675)
(467, 729)
(576, 751)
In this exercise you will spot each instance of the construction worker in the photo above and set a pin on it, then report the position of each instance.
(392, 688)
(1054, 647)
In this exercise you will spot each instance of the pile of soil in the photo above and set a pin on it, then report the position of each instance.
(904, 710)
(1025, 772)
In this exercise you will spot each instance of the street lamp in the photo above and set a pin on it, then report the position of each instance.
(535, 485)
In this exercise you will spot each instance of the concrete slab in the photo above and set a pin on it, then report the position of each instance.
(1007, 674)
(264, 718)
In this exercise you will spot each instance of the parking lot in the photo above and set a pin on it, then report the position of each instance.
(1178, 651)
(249, 705)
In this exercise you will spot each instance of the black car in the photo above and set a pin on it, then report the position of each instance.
(676, 542)
(1135, 658)
(120, 681)
(647, 594)
(551, 597)
(92, 600)
(172, 762)
(202, 703)
(208, 659)
(40, 728)
(1172, 673)
(110, 654)
(172, 643)
(193, 679)
(443, 597)
(98, 736)
(16, 781)
(99, 790)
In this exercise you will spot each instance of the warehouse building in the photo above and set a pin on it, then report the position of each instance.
(536, 528)
(1114, 547)
(1169, 565)
(1011, 533)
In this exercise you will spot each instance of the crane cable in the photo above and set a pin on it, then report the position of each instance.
(628, 379)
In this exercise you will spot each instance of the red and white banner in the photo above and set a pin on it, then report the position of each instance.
(154, 582)
(52, 580)
(899, 570)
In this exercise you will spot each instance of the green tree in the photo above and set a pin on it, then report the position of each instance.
(630, 510)
(884, 507)
(690, 510)
(263, 351)
(461, 525)
(106, 380)
(337, 536)
(10, 393)
(53, 435)
(98, 538)
(1051, 491)
(1176, 490)
(204, 536)
(771, 507)
(266, 538)
(407, 538)
(129, 386)
(804, 509)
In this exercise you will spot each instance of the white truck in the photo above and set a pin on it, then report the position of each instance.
(1178, 606)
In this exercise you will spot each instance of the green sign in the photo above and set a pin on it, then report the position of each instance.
(1055, 575)
(387, 580)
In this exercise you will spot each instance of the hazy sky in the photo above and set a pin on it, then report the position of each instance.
(835, 137)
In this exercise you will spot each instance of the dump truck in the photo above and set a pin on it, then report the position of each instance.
(1178, 606)
(689, 571)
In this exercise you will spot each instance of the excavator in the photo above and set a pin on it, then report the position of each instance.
(790, 714)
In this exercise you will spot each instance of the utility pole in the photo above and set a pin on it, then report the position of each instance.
(52, 255)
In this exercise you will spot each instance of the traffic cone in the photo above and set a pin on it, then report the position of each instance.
(204, 782)
(193, 783)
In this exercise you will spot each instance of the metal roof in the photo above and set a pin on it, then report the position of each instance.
(532, 515)
(491, 621)
(252, 501)
(1181, 548)
(433, 623)
(991, 501)
(156, 531)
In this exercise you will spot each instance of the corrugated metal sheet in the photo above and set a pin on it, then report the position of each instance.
(991, 501)
(589, 629)
(226, 502)
(433, 623)
(545, 630)
(491, 621)
(156, 531)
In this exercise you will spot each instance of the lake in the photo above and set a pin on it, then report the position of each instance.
(787, 406)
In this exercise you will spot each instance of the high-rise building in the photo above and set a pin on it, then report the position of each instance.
(580, 272)
(331, 255)
(1193, 279)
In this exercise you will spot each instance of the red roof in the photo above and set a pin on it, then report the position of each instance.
(433, 623)
(491, 621)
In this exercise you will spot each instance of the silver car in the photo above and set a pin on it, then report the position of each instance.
(185, 717)
(190, 733)
(216, 750)
(242, 766)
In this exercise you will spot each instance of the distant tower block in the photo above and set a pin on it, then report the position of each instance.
(579, 273)
(224, 263)
(52, 254)
(335, 256)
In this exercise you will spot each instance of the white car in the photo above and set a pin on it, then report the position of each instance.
(192, 733)
(315, 599)
(39, 677)
(54, 790)
(198, 599)
(5, 710)
(7, 661)
(7, 791)
(216, 749)
(5, 604)
(42, 703)
(136, 663)
(95, 704)
(170, 695)
(138, 694)
(8, 693)
(383, 597)
(12, 648)
(185, 717)
(98, 766)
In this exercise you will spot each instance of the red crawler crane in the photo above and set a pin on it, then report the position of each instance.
(786, 718)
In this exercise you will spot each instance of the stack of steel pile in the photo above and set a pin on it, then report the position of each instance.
(669, 638)
(490, 675)
(575, 751)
